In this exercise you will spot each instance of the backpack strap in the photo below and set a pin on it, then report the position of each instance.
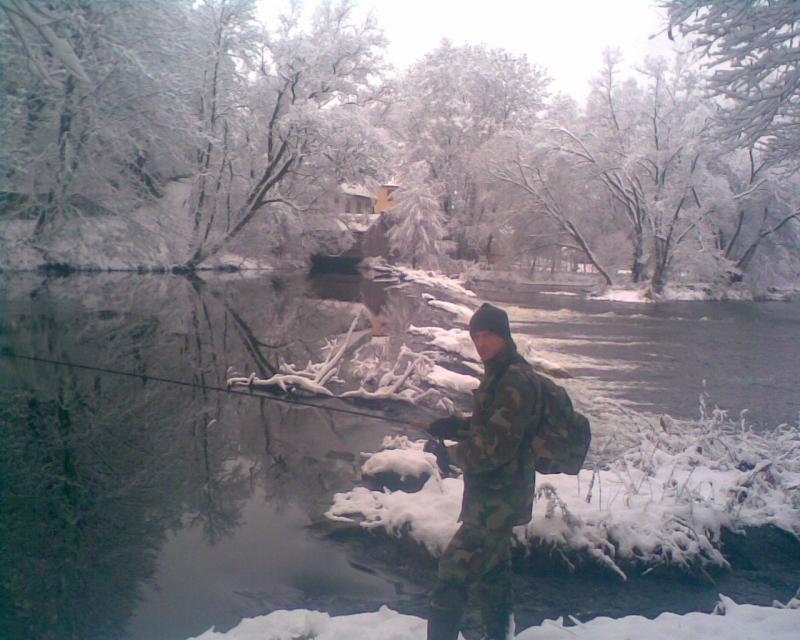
(536, 421)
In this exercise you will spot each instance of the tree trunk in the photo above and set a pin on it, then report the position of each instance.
(747, 256)
(56, 194)
(639, 266)
(659, 279)
(576, 235)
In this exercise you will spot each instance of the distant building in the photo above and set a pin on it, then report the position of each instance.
(361, 211)
(353, 198)
(384, 200)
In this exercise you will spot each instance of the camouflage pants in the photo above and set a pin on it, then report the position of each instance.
(479, 554)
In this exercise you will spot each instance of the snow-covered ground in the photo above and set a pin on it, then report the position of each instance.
(689, 293)
(729, 621)
(663, 502)
(435, 280)
(156, 235)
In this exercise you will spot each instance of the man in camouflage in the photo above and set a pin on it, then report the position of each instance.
(495, 455)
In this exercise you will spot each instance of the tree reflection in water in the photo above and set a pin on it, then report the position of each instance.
(86, 500)
(96, 470)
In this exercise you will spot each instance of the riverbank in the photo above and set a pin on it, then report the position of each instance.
(697, 293)
(592, 285)
(728, 621)
(160, 236)
(666, 503)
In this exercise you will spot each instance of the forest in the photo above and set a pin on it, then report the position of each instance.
(681, 171)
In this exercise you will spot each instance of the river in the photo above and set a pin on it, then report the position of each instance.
(134, 509)
(659, 357)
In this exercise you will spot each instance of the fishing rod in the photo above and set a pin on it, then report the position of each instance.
(144, 377)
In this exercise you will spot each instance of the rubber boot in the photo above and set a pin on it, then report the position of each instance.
(499, 625)
(443, 624)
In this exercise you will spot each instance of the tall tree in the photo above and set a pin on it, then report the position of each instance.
(418, 221)
(312, 83)
(81, 130)
(645, 146)
(752, 49)
(227, 37)
(456, 99)
(546, 185)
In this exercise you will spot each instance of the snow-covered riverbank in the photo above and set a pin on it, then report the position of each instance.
(663, 502)
(158, 236)
(698, 292)
(659, 493)
(729, 621)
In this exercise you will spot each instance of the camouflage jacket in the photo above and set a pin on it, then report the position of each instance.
(495, 453)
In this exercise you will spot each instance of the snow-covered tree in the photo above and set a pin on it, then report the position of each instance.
(91, 105)
(312, 81)
(548, 190)
(752, 49)
(417, 219)
(757, 210)
(646, 145)
(226, 38)
(454, 100)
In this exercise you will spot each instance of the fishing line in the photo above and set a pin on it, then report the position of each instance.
(144, 377)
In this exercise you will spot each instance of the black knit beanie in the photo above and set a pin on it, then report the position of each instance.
(490, 318)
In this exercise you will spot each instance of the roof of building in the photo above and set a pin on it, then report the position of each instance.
(356, 190)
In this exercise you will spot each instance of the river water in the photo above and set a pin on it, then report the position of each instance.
(135, 509)
(659, 357)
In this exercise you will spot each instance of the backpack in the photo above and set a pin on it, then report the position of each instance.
(561, 435)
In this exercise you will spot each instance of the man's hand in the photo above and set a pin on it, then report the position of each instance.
(438, 448)
(449, 427)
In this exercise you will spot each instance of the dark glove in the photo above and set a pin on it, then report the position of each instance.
(449, 427)
(438, 448)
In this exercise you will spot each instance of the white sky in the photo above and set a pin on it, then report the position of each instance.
(566, 37)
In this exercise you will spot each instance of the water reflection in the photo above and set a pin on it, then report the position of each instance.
(373, 295)
(98, 470)
(85, 501)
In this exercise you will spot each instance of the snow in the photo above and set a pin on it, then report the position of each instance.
(455, 341)
(240, 263)
(729, 621)
(451, 380)
(662, 502)
(434, 280)
(637, 296)
(462, 312)
(157, 235)
(383, 624)
(458, 342)
(685, 293)
(356, 190)
(357, 222)
(402, 457)
(558, 293)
